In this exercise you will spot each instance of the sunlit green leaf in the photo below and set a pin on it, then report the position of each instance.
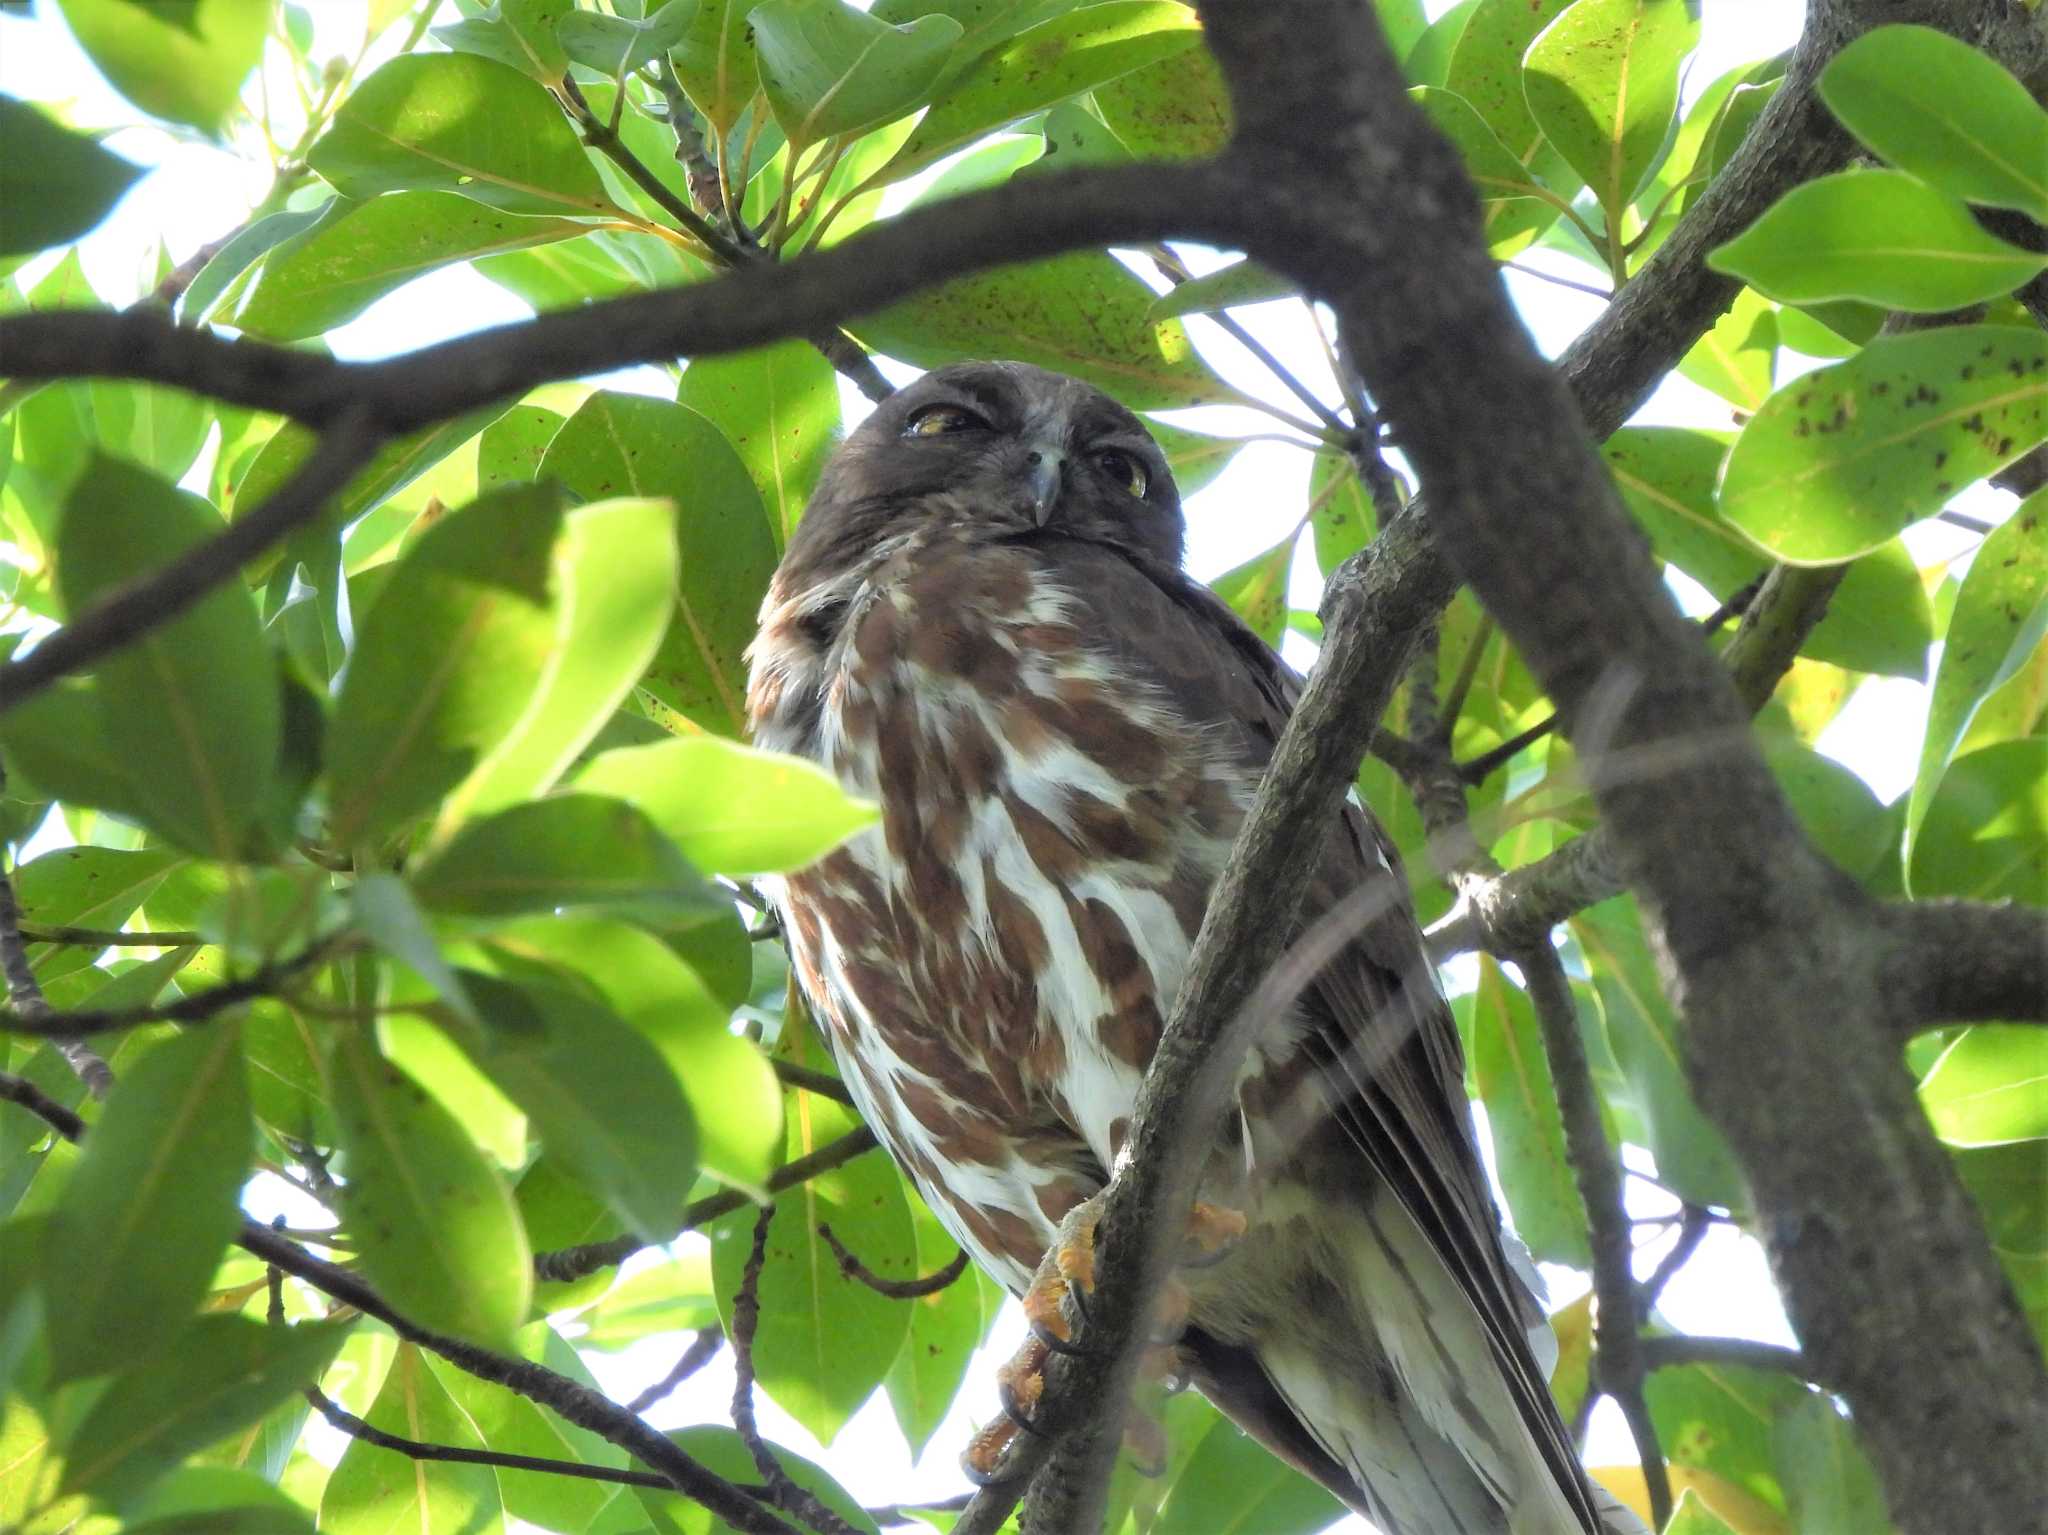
(1828, 1481)
(55, 184)
(447, 662)
(1241, 282)
(1985, 827)
(1838, 461)
(457, 122)
(1876, 235)
(614, 591)
(1601, 82)
(196, 697)
(669, 1299)
(618, 45)
(375, 1492)
(1257, 589)
(1944, 111)
(1737, 355)
(1230, 1483)
(1512, 1074)
(830, 69)
(1174, 109)
(359, 251)
(621, 444)
(440, 1236)
(191, 73)
(210, 1377)
(945, 1329)
(1485, 68)
(721, 1450)
(510, 450)
(2010, 1186)
(1048, 63)
(1719, 1419)
(732, 809)
(151, 1204)
(520, 33)
(219, 1500)
(1083, 314)
(1999, 618)
(1693, 1516)
(779, 408)
(1990, 1086)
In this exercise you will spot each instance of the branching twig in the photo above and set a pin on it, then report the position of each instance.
(703, 1349)
(1692, 1230)
(746, 1315)
(196, 1008)
(28, 1003)
(895, 1289)
(574, 1262)
(1674, 1350)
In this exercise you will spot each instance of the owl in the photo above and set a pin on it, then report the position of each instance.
(981, 624)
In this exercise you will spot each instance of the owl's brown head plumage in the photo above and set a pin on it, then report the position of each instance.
(1003, 448)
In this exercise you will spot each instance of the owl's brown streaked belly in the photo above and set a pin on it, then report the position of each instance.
(995, 959)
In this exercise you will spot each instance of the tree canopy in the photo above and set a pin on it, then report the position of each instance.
(381, 825)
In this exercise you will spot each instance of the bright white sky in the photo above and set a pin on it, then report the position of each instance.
(200, 191)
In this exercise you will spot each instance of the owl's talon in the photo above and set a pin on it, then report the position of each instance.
(1056, 1344)
(1013, 1409)
(1078, 1299)
(986, 1460)
(1212, 1235)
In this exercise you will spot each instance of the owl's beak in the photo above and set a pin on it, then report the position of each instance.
(1043, 469)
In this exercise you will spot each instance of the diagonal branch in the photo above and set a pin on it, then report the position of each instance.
(1965, 962)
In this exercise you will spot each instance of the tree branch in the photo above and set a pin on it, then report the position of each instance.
(703, 1349)
(1964, 962)
(1665, 1353)
(26, 998)
(895, 1289)
(196, 1008)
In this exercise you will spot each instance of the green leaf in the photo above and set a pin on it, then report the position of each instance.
(1485, 68)
(1257, 589)
(945, 1330)
(1643, 1031)
(511, 448)
(2000, 615)
(1241, 282)
(2010, 1186)
(1083, 314)
(360, 251)
(1940, 109)
(829, 69)
(1719, 1419)
(1512, 1074)
(1737, 356)
(1340, 510)
(1048, 63)
(732, 809)
(618, 45)
(670, 1298)
(825, 1341)
(604, 1101)
(1601, 82)
(779, 408)
(214, 1375)
(196, 698)
(620, 444)
(716, 62)
(1175, 109)
(1837, 808)
(1985, 827)
(455, 122)
(1514, 203)
(734, 1097)
(1195, 458)
(520, 33)
(440, 1236)
(1990, 1086)
(1828, 1482)
(1838, 461)
(221, 1500)
(56, 744)
(151, 1204)
(190, 74)
(55, 184)
(615, 587)
(447, 662)
(1692, 1516)
(580, 850)
(1876, 235)
(374, 1492)
(1230, 1484)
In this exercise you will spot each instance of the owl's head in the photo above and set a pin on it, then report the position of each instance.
(1001, 446)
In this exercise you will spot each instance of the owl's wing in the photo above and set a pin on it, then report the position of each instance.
(1386, 1044)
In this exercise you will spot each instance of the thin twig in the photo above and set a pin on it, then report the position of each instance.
(703, 1349)
(746, 1316)
(196, 1008)
(1693, 1226)
(1677, 1349)
(811, 1080)
(1175, 271)
(895, 1289)
(574, 1262)
(417, 1449)
(108, 938)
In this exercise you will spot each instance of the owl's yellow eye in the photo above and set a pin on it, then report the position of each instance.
(1127, 470)
(938, 420)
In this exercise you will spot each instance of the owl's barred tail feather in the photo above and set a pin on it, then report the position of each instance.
(1395, 1379)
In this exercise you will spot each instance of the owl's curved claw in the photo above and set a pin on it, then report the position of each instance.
(1055, 1344)
(1013, 1409)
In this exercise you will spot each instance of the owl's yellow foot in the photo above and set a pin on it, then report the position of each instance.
(1062, 1285)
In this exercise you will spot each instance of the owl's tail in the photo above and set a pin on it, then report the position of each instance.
(1401, 1403)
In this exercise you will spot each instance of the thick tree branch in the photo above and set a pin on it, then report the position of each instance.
(1964, 962)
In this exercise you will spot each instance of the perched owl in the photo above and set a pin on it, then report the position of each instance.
(982, 624)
